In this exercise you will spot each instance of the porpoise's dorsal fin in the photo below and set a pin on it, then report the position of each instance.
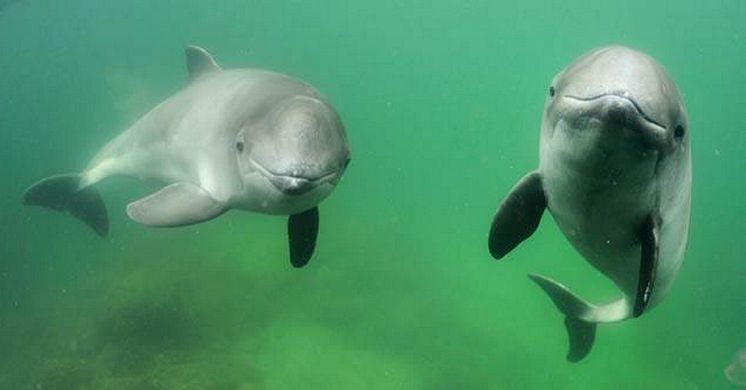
(199, 61)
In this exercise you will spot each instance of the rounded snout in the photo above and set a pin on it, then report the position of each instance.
(291, 185)
(620, 109)
(297, 179)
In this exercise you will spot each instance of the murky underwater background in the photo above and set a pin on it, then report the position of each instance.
(442, 102)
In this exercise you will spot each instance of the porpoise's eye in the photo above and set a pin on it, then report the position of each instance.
(679, 132)
(239, 146)
(347, 162)
(551, 91)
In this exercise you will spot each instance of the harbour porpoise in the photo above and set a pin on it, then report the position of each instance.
(615, 172)
(245, 139)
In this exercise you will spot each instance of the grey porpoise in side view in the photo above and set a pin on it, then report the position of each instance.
(615, 172)
(246, 139)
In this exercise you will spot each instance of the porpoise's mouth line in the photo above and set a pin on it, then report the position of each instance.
(315, 180)
(620, 96)
(318, 179)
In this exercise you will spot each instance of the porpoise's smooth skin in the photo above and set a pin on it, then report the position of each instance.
(245, 139)
(615, 173)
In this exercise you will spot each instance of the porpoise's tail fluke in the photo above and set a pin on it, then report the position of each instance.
(581, 316)
(64, 193)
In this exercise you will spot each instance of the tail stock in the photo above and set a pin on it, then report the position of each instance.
(581, 316)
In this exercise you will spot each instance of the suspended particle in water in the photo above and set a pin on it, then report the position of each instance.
(736, 371)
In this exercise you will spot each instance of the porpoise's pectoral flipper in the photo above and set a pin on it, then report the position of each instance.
(518, 216)
(303, 228)
(649, 236)
(175, 205)
(64, 193)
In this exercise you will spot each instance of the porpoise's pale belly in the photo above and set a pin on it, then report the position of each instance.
(600, 206)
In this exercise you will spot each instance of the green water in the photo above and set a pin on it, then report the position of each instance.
(442, 102)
